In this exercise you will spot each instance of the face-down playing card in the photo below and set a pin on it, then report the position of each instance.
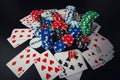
(70, 65)
(47, 66)
(22, 62)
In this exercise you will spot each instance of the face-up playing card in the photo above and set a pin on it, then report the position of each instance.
(107, 57)
(22, 62)
(92, 58)
(98, 41)
(22, 34)
(47, 66)
(70, 65)
(27, 20)
(16, 42)
(76, 76)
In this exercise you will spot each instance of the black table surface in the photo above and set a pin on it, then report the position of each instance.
(11, 11)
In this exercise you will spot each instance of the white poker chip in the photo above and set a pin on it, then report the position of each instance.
(35, 43)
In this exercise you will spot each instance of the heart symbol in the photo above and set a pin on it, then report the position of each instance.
(13, 41)
(28, 50)
(95, 40)
(103, 38)
(56, 69)
(46, 54)
(16, 31)
(28, 35)
(38, 59)
(13, 36)
(43, 67)
(44, 60)
(97, 35)
(95, 45)
(30, 30)
(50, 68)
(22, 31)
(48, 76)
(51, 62)
(21, 36)
(96, 61)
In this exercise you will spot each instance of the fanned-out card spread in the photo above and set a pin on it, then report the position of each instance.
(58, 31)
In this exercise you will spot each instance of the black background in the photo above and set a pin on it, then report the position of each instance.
(11, 11)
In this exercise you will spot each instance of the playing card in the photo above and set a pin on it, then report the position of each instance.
(27, 20)
(70, 65)
(22, 62)
(47, 66)
(98, 40)
(62, 12)
(75, 76)
(16, 42)
(92, 59)
(48, 12)
(34, 26)
(22, 34)
(95, 27)
(107, 57)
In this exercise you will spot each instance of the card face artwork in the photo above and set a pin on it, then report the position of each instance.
(22, 62)
(70, 65)
(47, 66)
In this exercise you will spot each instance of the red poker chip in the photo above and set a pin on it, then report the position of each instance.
(57, 17)
(35, 14)
(56, 24)
(68, 39)
(63, 26)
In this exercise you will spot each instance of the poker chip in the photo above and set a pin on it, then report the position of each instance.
(59, 46)
(57, 17)
(35, 43)
(74, 32)
(36, 14)
(68, 39)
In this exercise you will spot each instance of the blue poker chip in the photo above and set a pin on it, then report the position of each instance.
(59, 46)
(46, 32)
(47, 22)
(47, 47)
(74, 31)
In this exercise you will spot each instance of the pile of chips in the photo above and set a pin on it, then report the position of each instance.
(59, 29)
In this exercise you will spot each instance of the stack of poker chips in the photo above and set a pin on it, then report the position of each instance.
(59, 29)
